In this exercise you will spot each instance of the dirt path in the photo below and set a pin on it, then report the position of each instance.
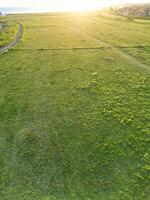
(15, 41)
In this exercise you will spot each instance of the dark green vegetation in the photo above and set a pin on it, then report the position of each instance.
(74, 109)
(7, 32)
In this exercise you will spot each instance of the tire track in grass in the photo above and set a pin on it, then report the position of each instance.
(116, 49)
(131, 59)
(124, 55)
(15, 41)
(128, 57)
(62, 49)
(1, 26)
(75, 48)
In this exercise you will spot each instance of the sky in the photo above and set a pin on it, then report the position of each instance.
(66, 4)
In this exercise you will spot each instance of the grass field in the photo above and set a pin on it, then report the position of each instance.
(7, 32)
(74, 109)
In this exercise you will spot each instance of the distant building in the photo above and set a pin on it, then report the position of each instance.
(133, 10)
(1, 13)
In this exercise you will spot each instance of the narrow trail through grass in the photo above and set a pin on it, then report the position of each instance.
(15, 41)
(124, 55)
(121, 53)
(131, 59)
(116, 48)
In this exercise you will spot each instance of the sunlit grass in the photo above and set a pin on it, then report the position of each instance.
(74, 120)
(7, 32)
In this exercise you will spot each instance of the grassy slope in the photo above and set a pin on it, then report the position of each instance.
(74, 123)
(7, 33)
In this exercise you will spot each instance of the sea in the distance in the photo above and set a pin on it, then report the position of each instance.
(13, 10)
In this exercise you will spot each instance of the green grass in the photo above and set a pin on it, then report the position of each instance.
(74, 124)
(141, 52)
(7, 33)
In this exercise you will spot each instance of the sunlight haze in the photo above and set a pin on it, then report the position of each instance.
(66, 5)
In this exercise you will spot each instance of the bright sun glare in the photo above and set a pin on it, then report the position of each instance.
(73, 5)
(66, 5)
(84, 5)
(79, 5)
